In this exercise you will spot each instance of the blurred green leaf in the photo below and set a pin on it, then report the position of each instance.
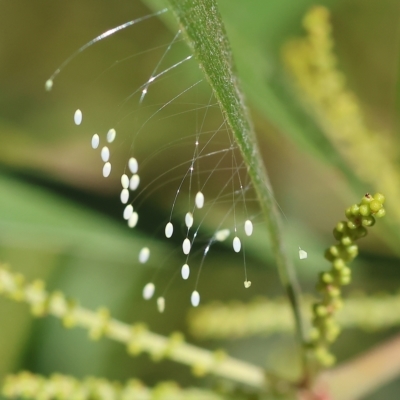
(93, 258)
(86, 255)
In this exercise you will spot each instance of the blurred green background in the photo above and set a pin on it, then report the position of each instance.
(60, 220)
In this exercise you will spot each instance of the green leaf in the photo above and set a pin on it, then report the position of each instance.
(76, 250)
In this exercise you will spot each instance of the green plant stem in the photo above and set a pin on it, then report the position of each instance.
(202, 25)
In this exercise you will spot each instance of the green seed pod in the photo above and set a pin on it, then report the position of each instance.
(337, 234)
(367, 199)
(325, 330)
(327, 277)
(381, 213)
(348, 213)
(379, 197)
(368, 221)
(343, 277)
(334, 250)
(351, 252)
(345, 271)
(355, 210)
(360, 232)
(338, 264)
(344, 280)
(333, 291)
(375, 206)
(346, 241)
(336, 304)
(324, 357)
(332, 334)
(365, 210)
(353, 224)
(328, 324)
(328, 360)
(341, 226)
(321, 310)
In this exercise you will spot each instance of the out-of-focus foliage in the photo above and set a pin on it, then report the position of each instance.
(30, 386)
(60, 220)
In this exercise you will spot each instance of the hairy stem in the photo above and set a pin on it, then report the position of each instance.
(205, 33)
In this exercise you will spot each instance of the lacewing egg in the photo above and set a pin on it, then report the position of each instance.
(144, 255)
(186, 246)
(248, 227)
(169, 230)
(195, 298)
(48, 85)
(124, 196)
(161, 304)
(222, 235)
(133, 220)
(125, 181)
(199, 200)
(134, 182)
(133, 165)
(95, 141)
(107, 170)
(105, 153)
(189, 219)
(237, 244)
(185, 271)
(111, 135)
(128, 211)
(78, 117)
(302, 254)
(148, 291)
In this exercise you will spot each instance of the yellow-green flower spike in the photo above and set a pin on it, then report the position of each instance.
(321, 87)
(137, 338)
(264, 316)
(325, 330)
(26, 385)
